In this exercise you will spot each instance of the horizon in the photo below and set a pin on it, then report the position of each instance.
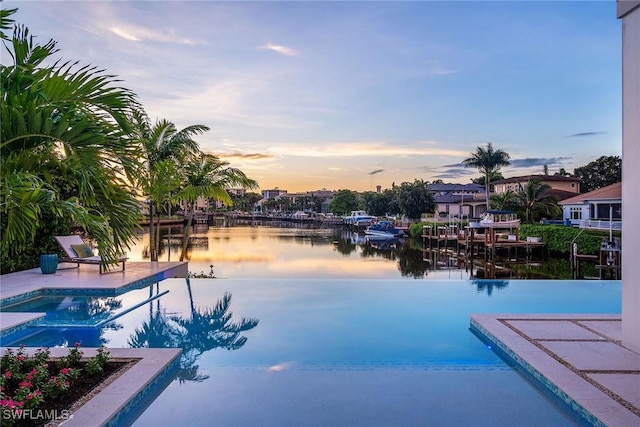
(352, 95)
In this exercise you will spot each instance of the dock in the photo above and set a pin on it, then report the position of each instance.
(487, 252)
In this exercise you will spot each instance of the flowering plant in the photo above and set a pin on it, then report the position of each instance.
(27, 382)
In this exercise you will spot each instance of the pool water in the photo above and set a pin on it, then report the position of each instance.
(336, 352)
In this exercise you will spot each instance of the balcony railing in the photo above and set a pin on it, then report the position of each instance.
(596, 224)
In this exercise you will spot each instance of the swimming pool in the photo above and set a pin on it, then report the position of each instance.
(336, 352)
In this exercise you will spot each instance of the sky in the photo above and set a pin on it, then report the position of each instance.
(305, 95)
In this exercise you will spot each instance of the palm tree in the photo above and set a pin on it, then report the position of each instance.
(160, 142)
(209, 177)
(534, 198)
(488, 161)
(65, 151)
(504, 201)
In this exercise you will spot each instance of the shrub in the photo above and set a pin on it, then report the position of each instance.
(28, 382)
(558, 238)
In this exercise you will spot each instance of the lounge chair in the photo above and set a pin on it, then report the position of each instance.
(81, 253)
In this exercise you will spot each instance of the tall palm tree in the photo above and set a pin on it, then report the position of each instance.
(488, 161)
(534, 198)
(160, 142)
(209, 177)
(65, 151)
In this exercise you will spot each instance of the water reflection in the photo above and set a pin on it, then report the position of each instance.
(206, 328)
(256, 249)
(78, 316)
(488, 286)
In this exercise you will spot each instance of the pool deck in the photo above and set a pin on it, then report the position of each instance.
(85, 277)
(578, 359)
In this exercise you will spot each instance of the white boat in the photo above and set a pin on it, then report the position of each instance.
(383, 229)
(360, 219)
(499, 219)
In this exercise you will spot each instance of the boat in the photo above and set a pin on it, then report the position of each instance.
(499, 219)
(360, 219)
(383, 243)
(384, 229)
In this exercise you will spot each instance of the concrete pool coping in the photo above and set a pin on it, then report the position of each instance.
(22, 285)
(140, 383)
(578, 358)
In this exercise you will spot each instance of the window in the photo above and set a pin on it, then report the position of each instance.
(575, 213)
(573, 185)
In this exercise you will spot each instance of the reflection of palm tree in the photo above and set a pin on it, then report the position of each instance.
(211, 328)
(207, 329)
(158, 332)
(489, 285)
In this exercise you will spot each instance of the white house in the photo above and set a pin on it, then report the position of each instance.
(602, 204)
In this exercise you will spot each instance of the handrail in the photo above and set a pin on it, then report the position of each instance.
(112, 318)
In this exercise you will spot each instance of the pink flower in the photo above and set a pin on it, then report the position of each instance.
(25, 384)
(8, 402)
(7, 374)
(37, 392)
(64, 371)
(77, 344)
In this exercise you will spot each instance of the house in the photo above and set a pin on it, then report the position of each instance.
(562, 187)
(629, 14)
(272, 194)
(602, 204)
(458, 199)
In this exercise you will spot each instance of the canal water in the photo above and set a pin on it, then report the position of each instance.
(288, 250)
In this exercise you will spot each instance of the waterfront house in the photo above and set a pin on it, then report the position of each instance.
(562, 187)
(458, 200)
(595, 207)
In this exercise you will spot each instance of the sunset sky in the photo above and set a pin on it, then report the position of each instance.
(311, 95)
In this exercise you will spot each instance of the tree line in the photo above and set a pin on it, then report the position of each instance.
(78, 151)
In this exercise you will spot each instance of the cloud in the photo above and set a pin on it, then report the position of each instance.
(587, 134)
(366, 149)
(538, 161)
(376, 171)
(248, 156)
(455, 173)
(283, 50)
(137, 34)
(453, 165)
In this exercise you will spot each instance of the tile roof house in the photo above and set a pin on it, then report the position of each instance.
(600, 204)
(562, 187)
(458, 200)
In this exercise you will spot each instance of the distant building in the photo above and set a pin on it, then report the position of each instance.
(458, 200)
(272, 194)
(562, 187)
(598, 204)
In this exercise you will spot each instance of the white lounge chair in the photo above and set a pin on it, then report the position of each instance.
(72, 245)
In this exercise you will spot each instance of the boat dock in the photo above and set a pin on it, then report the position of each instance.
(475, 241)
(485, 252)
